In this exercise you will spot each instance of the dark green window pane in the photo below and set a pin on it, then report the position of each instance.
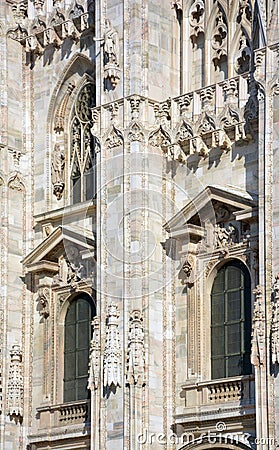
(233, 338)
(71, 314)
(234, 365)
(218, 368)
(83, 309)
(218, 347)
(70, 338)
(82, 336)
(76, 187)
(217, 309)
(233, 278)
(76, 352)
(231, 321)
(69, 391)
(234, 305)
(70, 366)
(89, 184)
(81, 388)
(82, 363)
(219, 283)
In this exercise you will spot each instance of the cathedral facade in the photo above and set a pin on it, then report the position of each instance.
(139, 270)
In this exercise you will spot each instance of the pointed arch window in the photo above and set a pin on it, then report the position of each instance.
(77, 335)
(231, 321)
(82, 153)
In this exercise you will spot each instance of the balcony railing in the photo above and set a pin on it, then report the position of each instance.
(67, 413)
(236, 389)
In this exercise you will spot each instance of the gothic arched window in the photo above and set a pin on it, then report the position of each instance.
(231, 321)
(82, 154)
(77, 335)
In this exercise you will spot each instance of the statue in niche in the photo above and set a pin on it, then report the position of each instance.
(58, 166)
(110, 44)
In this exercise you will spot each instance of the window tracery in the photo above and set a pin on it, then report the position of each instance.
(82, 152)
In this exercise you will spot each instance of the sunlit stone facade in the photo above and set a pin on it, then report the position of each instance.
(139, 224)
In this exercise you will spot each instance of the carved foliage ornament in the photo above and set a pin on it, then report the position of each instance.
(258, 329)
(160, 138)
(135, 354)
(112, 353)
(114, 139)
(15, 182)
(15, 384)
(95, 351)
(135, 133)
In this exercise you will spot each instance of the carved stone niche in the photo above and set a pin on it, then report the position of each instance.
(67, 256)
(219, 220)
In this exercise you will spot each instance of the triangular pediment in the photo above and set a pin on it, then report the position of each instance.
(206, 206)
(47, 253)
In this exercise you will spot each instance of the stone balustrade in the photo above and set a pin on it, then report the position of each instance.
(67, 413)
(236, 389)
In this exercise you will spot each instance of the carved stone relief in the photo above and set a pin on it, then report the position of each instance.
(112, 352)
